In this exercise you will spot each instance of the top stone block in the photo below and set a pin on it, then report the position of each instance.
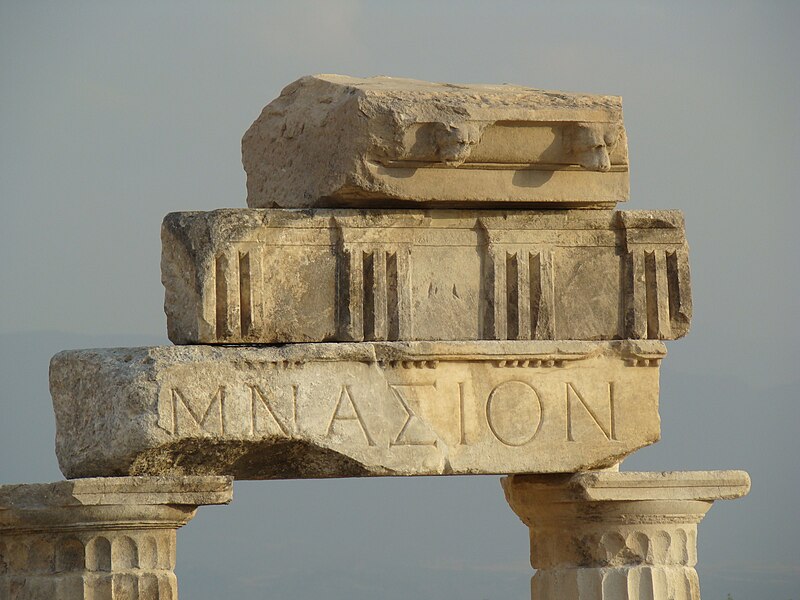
(335, 141)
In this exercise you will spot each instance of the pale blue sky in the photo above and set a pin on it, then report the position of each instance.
(113, 114)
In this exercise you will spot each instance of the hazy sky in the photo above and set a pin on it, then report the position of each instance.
(113, 114)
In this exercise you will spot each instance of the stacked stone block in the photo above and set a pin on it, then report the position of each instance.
(429, 279)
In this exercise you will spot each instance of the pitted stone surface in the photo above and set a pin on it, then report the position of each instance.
(278, 276)
(355, 409)
(331, 140)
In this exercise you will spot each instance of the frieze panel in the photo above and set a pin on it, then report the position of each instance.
(391, 408)
(274, 276)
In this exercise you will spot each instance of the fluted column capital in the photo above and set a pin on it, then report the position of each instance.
(617, 535)
(107, 538)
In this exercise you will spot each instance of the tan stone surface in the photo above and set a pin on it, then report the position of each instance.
(108, 491)
(347, 409)
(110, 538)
(617, 535)
(331, 140)
(266, 276)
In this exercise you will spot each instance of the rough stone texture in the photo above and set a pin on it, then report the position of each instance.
(108, 491)
(110, 538)
(617, 536)
(267, 276)
(354, 409)
(330, 140)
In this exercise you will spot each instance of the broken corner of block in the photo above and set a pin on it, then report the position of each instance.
(334, 141)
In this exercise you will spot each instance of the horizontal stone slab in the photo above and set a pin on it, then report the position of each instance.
(354, 409)
(111, 491)
(629, 486)
(331, 140)
(276, 276)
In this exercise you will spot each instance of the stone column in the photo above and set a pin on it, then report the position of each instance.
(617, 535)
(98, 539)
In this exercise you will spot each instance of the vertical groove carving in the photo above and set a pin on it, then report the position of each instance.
(125, 585)
(651, 295)
(493, 293)
(615, 585)
(168, 587)
(349, 294)
(227, 296)
(148, 587)
(221, 295)
(525, 297)
(498, 291)
(245, 294)
(518, 293)
(512, 296)
(375, 292)
(492, 286)
(542, 299)
(636, 300)
(657, 302)
(392, 299)
(398, 295)
(368, 294)
(657, 295)
(680, 301)
(82, 565)
(124, 554)
(98, 555)
(148, 556)
(100, 588)
(643, 582)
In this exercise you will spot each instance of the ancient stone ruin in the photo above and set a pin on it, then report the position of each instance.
(431, 279)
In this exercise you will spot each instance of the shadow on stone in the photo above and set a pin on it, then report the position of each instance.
(264, 459)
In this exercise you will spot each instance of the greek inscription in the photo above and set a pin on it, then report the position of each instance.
(514, 413)
(346, 410)
(259, 403)
(209, 420)
(414, 431)
(608, 428)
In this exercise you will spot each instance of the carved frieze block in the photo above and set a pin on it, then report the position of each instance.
(332, 140)
(278, 276)
(354, 409)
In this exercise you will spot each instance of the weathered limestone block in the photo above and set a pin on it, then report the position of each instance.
(269, 276)
(349, 410)
(331, 140)
(617, 536)
(89, 539)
